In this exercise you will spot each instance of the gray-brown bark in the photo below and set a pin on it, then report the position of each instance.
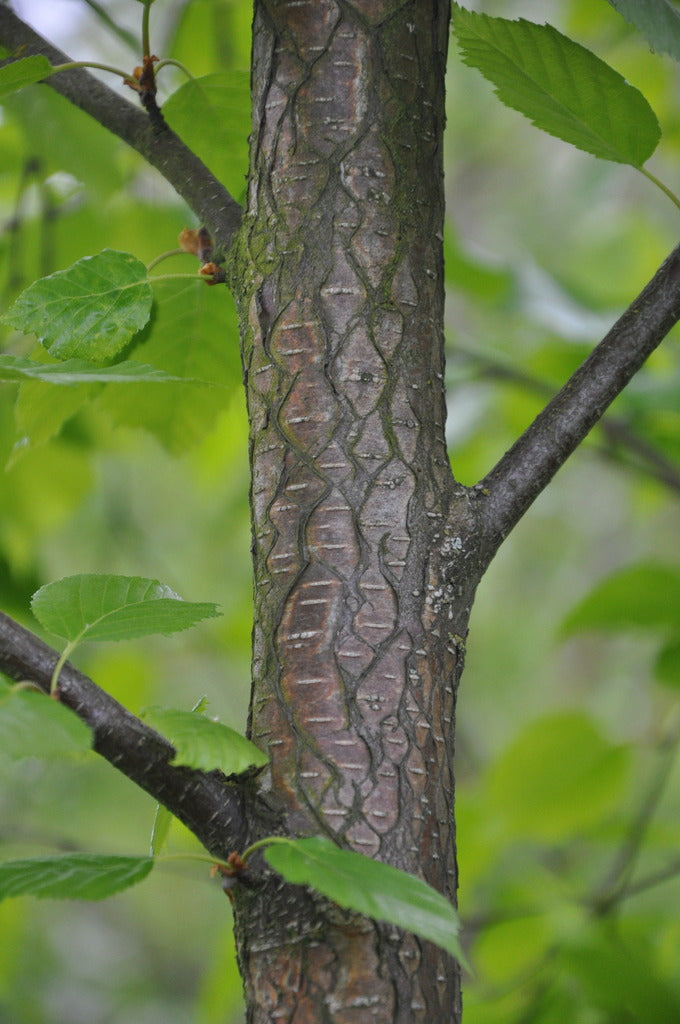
(367, 553)
(364, 572)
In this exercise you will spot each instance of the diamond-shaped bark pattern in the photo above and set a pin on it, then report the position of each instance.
(359, 371)
(308, 414)
(331, 535)
(371, 448)
(388, 331)
(375, 693)
(405, 425)
(368, 172)
(404, 291)
(342, 292)
(354, 684)
(296, 338)
(334, 97)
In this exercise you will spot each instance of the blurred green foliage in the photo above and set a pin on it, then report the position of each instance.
(568, 790)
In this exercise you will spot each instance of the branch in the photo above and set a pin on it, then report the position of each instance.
(618, 433)
(527, 468)
(210, 806)
(191, 179)
(616, 885)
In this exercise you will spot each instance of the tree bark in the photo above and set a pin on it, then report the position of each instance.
(367, 553)
(364, 573)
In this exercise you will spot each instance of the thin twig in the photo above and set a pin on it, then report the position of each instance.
(618, 432)
(650, 881)
(191, 179)
(617, 885)
(213, 809)
(126, 37)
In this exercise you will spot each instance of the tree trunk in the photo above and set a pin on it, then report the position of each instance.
(362, 589)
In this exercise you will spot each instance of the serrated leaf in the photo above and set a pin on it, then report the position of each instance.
(562, 87)
(212, 115)
(32, 725)
(73, 876)
(657, 20)
(91, 606)
(643, 596)
(79, 371)
(368, 886)
(204, 744)
(23, 72)
(194, 335)
(90, 311)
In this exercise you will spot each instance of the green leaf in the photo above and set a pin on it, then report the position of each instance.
(557, 779)
(161, 827)
(560, 86)
(212, 115)
(643, 596)
(624, 980)
(89, 311)
(101, 607)
(472, 276)
(74, 876)
(23, 72)
(657, 20)
(31, 725)
(667, 667)
(40, 412)
(369, 887)
(79, 371)
(194, 335)
(202, 743)
(36, 112)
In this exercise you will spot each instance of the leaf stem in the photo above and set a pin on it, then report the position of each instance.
(61, 661)
(70, 65)
(204, 858)
(268, 840)
(164, 256)
(175, 277)
(176, 64)
(659, 184)
(146, 46)
(27, 684)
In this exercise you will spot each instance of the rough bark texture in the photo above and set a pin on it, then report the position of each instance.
(367, 553)
(360, 616)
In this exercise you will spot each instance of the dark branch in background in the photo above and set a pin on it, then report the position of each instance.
(190, 178)
(621, 441)
(617, 883)
(210, 806)
(126, 37)
(527, 468)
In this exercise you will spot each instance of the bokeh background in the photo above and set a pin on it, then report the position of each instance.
(567, 733)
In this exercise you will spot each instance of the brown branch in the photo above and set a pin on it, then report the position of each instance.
(164, 150)
(620, 437)
(212, 807)
(527, 468)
